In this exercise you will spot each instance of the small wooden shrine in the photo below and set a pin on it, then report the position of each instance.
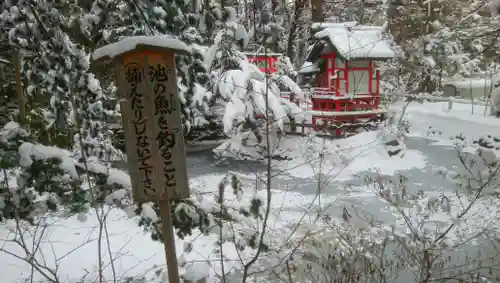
(343, 74)
(265, 62)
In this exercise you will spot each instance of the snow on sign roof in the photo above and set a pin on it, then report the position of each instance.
(357, 41)
(130, 43)
(307, 68)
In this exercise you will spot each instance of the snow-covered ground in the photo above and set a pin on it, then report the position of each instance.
(74, 242)
(435, 121)
(344, 158)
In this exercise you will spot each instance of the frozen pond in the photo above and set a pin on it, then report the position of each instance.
(354, 194)
(204, 162)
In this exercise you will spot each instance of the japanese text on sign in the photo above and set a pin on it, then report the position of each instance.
(164, 104)
(134, 76)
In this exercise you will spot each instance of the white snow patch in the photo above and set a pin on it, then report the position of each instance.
(29, 152)
(308, 67)
(196, 271)
(483, 216)
(130, 43)
(468, 82)
(338, 159)
(434, 121)
(136, 254)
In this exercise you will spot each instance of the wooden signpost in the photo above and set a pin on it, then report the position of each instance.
(144, 71)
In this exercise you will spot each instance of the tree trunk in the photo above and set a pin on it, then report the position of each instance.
(299, 5)
(317, 10)
(246, 23)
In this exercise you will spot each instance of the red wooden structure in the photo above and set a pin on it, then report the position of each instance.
(265, 62)
(347, 86)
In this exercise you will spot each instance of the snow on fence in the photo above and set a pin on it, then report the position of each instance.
(450, 100)
(333, 121)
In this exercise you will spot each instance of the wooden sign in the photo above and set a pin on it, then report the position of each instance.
(151, 116)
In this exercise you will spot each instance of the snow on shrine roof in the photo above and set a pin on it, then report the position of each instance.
(307, 68)
(130, 43)
(357, 41)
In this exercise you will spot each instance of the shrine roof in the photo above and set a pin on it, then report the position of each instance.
(353, 41)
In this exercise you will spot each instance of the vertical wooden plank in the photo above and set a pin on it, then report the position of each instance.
(135, 105)
(377, 89)
(370, 77)
(168, 132)
(147, 86)
(337, 83)
(346, 76)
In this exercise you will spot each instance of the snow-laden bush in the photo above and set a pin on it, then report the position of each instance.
(436, 235)
(37, 179)
(63, 35)
(252, 99)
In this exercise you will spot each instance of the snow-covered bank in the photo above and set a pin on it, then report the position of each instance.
(345, 158)
(484, 215)
(434, 121)
(73, 243)
(136, 254)
(306, 157)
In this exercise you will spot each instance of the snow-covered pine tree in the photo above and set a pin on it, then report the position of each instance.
(242, 90)
(269, 23)
(7, 79)
(300, 22)
(38, 174)
(443, 39)
(57, 40)
(362, 11)
(89, 25)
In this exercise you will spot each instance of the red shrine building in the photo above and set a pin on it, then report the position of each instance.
(342, 63)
